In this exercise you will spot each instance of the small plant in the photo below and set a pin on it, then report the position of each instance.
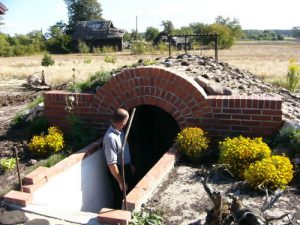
(147, 218)
(192, 141)
(239, 152)
(289, 138)
(38, 125)
(87, 60)
(47, 60)
(96, 50)
(138, 48)
(272, 172)
(293, 75)
(80, 133)
(7, 164)
(83, 47)
(44, 145)
(35, 102)
(149, 62)
(110, 59)
(107, 49)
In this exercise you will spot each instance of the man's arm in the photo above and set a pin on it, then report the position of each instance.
(113, 168)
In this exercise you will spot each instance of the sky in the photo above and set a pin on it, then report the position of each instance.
(24, 16)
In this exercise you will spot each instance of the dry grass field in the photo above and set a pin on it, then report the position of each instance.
(268, 60)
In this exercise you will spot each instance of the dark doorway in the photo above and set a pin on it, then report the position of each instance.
(152, 134)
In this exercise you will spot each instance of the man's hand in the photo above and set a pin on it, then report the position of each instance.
(121, 186)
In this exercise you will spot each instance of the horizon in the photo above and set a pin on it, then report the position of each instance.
(269, 16)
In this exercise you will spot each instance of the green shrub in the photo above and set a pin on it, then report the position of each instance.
(97, 79)
(147, 218)
(140, 48)
(96, 50)
(192, 141)
(110, 59)
(47, 60)
(107, 49)
(83, 47)
(80, 133)
(239, 152)
(288, 137)
(272, 172)
(149, 62)
(38, 125)
(293, 75)
(35, 102)
(7, 164)
(44, 145)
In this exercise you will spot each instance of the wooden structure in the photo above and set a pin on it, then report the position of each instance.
(186, 37)
(99, 33)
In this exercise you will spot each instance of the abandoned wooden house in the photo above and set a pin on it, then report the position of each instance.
(99, 33)
(2, 9)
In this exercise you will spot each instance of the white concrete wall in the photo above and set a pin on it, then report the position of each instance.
(83, 187)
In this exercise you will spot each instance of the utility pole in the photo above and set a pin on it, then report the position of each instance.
(136, 30)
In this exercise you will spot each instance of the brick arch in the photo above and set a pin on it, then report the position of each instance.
(176, 94)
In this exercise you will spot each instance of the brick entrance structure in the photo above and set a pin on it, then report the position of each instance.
(179, 95)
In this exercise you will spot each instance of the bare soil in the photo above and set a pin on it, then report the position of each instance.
(13, 98)
(183, 200)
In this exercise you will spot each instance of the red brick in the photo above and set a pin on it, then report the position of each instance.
(271, 112)
(36, 175)
(18, 198)
(233, 111)
(242, 117)
(30, 188)
(222, 116)
(252, 111)
(264, 118)
(114, 217)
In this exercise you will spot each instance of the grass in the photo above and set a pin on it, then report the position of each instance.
(268, 60)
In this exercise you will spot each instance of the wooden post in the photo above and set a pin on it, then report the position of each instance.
(18, 168)
(169, 39)
(185, 44)
(216, 47)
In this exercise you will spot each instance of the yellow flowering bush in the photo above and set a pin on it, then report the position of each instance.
(192, 141)
(239, 152)
(273, 172)
(44, 145)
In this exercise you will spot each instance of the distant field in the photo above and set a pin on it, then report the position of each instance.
(268, 60)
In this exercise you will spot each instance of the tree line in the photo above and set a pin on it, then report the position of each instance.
(58, 38)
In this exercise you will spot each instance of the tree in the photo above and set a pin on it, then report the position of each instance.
(233, 25)
(168, 26)
(184, 30)
(57, 39)
(296, 32)
(82, 10)
(151, 33)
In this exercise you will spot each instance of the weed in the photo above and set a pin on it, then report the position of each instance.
(38, 125)
(80, 134)
(47, 60)
(35, 102)
(293, 75)
(83, 47)
(107, 49)
(87, 60)
(7, 164)
(147, 218)
(110, 59)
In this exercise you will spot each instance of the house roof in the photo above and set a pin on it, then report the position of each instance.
(96, 30)
(2, 9)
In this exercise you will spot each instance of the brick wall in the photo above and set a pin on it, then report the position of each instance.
(178, 95)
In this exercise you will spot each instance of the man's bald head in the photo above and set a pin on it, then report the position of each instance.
(120, 115)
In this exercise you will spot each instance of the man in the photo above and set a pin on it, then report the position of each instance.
(112, 143)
